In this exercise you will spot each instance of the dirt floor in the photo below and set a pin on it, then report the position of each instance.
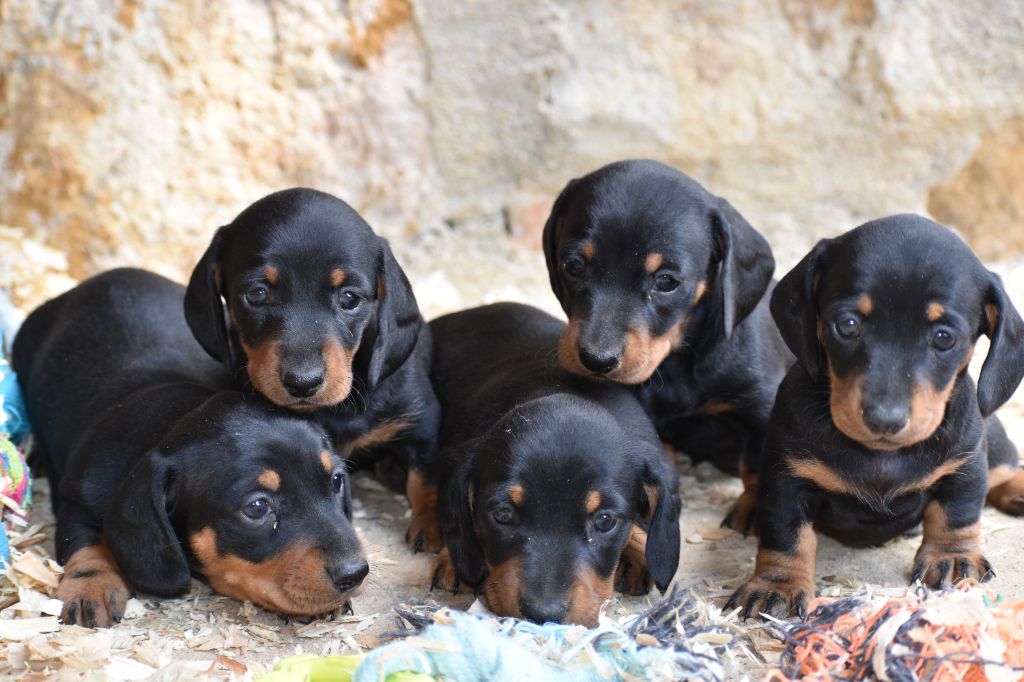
(207, 634)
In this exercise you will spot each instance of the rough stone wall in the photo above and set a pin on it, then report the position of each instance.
(130, 129)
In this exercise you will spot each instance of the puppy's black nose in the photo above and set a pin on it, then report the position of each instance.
(347, 577)
(885, 420)
(602, 364)
(302, 384)
(545, 611)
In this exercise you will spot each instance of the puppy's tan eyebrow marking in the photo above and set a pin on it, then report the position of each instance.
(269, 479)
(515, 493)
(593, 501)
(865, 305)
(325, 459)
(337, 277)
(588, 250)
(271, 273)
(935, 311)
(653, 262)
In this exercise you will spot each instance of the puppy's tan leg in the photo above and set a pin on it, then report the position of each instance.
(948, 555)
(742, 516)
(631, 576)
(1006, 490)
(424, 533)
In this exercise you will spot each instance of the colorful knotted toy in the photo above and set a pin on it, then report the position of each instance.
(15, 477)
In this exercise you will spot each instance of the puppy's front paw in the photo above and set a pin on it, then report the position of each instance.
(92, 589)
(939, 568)
(444, 577)
(779, 599)
(742, 516)
(424, 533)
(93, 601)
(1008, 496)
(631, 575)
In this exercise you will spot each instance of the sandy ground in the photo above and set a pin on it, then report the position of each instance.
(207, 634)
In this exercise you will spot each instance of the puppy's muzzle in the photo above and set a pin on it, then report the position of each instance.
(303, 383)
(599, 362)
(348, 576)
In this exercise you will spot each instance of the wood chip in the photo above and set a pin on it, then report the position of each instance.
(644, 639)
(31, 566)
(23, 629)
(235, 666)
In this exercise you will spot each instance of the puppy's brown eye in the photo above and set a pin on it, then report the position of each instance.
(604, 522)
(502, 515)
(574, 267)
(943, 340)
(848, 328)
(349, 301)
(337, 480)
(257, 508)
(257, 296)
(666, 283)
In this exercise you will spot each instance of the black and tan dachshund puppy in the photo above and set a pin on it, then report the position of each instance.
(305, 304)
(664, 285)
(879, 427)
(161, 471)
(554, 488)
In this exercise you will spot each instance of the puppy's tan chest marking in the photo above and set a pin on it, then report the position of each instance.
(378, 435)
(876, 482)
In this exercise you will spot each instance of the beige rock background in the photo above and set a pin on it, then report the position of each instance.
(130, 129)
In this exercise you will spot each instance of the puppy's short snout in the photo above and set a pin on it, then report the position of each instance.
(600, 363)
(545, 611)
(303, 383)
(885, 420)
(348, 576)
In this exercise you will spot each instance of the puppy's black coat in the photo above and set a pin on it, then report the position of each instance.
(163, 471)
(552, 486)
(664, 285)
(305, 304)
(879, 426)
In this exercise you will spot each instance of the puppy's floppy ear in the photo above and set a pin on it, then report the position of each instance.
(204, 308)
(392, 333)
(745, 265)
(662, 552)
(1004, 365)
(795, 310)
(139, 532)
(455, 516)
(550, 239)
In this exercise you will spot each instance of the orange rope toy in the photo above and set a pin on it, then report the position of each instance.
(966, 633)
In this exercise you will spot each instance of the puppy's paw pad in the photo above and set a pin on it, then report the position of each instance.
(940, 569)
(778, 599)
